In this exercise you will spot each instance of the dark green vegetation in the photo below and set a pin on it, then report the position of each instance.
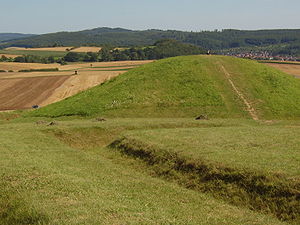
(187, 87)
(161, 49)
(12, 36)
(285, 41)
(40, 70)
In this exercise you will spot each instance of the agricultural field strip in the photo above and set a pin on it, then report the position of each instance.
(250, 108)
(292, 69)
(22, 93)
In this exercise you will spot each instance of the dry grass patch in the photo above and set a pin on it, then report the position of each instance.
(86, 49)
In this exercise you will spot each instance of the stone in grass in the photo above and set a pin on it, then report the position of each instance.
(202, 117)
(52, 123)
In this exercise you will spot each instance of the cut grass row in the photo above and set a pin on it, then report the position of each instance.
(253, 166)
(45, 180)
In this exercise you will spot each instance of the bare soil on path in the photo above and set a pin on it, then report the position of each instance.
(249, 107)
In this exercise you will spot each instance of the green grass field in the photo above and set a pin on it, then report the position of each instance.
(149, 161)
(64, 174)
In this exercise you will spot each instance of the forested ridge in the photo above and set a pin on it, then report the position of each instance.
(284, 41)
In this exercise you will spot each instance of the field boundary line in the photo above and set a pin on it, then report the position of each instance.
(249, 108)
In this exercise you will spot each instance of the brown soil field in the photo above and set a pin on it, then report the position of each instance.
(22, 93)
(293, 69)
(22, 90)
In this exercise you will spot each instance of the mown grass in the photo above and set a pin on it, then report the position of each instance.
(60, 179)
(249, 165)
(187, 87)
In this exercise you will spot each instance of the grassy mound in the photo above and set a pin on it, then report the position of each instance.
(185, 87)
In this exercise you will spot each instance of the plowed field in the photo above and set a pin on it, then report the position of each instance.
(22, 93)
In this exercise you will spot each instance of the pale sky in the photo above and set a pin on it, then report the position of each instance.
(44, 16)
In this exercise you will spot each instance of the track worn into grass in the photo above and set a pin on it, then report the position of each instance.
(249, 107)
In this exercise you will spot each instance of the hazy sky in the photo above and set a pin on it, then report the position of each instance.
(43, 16)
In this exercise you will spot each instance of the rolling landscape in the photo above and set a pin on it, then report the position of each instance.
(148, 126)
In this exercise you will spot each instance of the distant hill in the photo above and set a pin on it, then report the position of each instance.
(13, 36)
(188, 86)
(287, 40)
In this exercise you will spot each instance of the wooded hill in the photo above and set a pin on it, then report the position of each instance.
(13, 36)
(284, 41)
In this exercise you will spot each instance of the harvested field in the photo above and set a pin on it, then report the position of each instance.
(22, 93)
(76, 84)
(58, 49)
(86, 49)
(23, 66)
(293, 69)
(105, 65)
(21, 90)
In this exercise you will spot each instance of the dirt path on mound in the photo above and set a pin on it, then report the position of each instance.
(249, 107)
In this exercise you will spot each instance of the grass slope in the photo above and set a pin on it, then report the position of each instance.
(186, 87)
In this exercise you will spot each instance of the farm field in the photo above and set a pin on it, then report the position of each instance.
(21, 90)
(45, 52)
(22, 93)
(293, 69)
(131, 150)
(58, 49)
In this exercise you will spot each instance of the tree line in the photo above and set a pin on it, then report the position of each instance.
(161, 49)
